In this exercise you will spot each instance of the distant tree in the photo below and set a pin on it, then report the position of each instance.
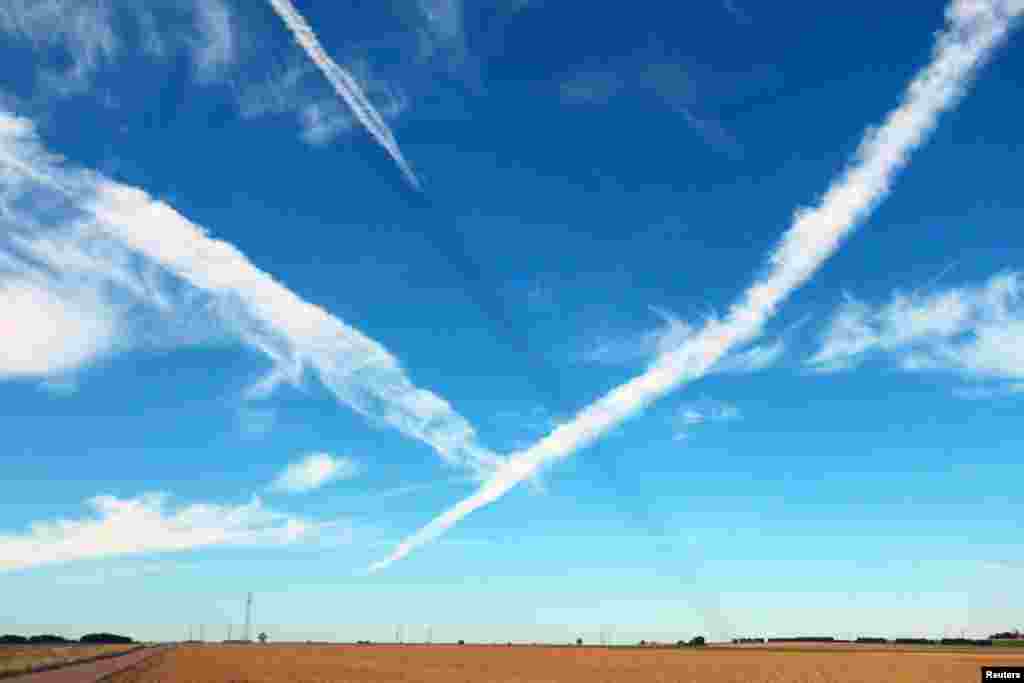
(579, 641)
(462, 642)
(697, 641)
(680, 643)
(9, 639)
(1006, 635)
(263, 638)
(47, 638)
(105, 638)
(643, 642)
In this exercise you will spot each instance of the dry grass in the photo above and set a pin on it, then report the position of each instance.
(473, 664)
(20, 658)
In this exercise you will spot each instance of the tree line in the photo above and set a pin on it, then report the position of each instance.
(51, 639)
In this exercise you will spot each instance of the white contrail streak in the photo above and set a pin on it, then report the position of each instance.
(974, 28)
(344, 84)
(61, 265)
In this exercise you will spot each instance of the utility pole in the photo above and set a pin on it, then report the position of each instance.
(248, 617)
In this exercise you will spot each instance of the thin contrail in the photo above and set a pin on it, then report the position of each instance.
(344, 84)
(974, 28)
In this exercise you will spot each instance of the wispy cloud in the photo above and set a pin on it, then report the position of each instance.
(444, 33)
(672, 333)
(313, 471)
(321, 117)
(66, 226)
(734, 9)
(74, 39)
(974, 331)
(640, 347)
(83, 29)
(669, 82)
(973, 29)
(703, 411)
(986, 392)
(409, 489)
(592, 87)
(752, 359)
(344, 84)
(215, 46)
(146, 524)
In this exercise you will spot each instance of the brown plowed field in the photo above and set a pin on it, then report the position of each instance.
(20, 658)
(495, 664)
(87, 672)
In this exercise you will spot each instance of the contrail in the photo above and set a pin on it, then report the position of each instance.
(973, 29)
(344, 84)
(90, 218)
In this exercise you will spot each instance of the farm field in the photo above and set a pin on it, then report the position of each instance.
(21, 658)
(498, 664)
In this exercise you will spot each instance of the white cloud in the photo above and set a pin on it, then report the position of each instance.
(592, 87)
(640, 347)
(734, 9)
(817, 232)
(984, 392)
(146, 524)
(73, 228)
(974, 331)
(649, 345)
(443, 34)
(752, 359)
(83, 37)
(703, 411)
(84, 30)
(214, 47)
(323, 121)
(49, 332)
(313, 471)
(321, 117)
(668, 81)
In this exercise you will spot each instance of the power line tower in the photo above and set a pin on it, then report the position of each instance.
(248, 617)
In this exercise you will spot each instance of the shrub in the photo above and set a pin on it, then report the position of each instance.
(9, 639)
(698, 641)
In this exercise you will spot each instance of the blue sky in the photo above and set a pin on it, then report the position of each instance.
(393, 311)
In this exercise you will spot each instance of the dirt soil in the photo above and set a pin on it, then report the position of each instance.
(497, 664)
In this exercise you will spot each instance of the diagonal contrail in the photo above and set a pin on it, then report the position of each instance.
(344, 84)
(973, 29)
